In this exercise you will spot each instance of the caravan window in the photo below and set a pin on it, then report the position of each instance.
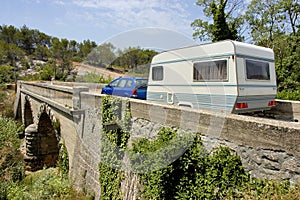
(157, 73)
(257, 70)
(210, 70)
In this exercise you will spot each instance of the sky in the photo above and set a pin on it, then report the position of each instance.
(143, 22)
(157, 24)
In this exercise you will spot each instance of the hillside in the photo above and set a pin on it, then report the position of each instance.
(83, 69)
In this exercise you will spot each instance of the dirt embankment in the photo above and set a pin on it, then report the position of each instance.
(82, 69)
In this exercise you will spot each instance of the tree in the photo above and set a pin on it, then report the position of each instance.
(10, 53)
(8, 34)
(102, 55)
(86, 47)
(41, 52)
(61, 52)
(136, 59)
(26, 40)
(288, 65)
(6, 74)
(221, 30)
(227, 21)
(265, 21)
(291, 10)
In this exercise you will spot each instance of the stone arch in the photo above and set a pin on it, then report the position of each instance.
(48, 142)
(28, 116)
(42, 140)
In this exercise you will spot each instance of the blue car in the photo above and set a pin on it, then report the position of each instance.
(127, 87)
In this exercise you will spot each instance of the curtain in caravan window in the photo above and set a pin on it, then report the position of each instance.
(210, 71)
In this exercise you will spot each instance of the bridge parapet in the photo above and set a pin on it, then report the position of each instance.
(268, 148)
(59, 94)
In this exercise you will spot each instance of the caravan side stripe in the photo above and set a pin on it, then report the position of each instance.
(214, 57)
(213, 85)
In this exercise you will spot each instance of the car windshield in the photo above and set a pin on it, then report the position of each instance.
(114, 83)
(141, 83)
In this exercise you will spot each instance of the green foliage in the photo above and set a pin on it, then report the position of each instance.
(63, 160)
(91, 77)
(9, 130)
(110, 181)
(195, 175)
(113, 145)
(41, 52)
(289, 95)
(45, 184)
(102, 55)
(220, 28)
(47, 72)
(227, 21)
(20, 44)
(6, 101)
(133, 57)
(270, 23)
(11, 165)
(6, 74)
(258, 189)
(287, 67)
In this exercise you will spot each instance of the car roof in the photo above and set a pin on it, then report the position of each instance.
(127, 77)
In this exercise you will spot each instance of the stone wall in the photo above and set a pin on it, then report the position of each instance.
(268, 148)
(286, 110)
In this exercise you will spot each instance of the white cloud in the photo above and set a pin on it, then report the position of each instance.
(60, 2)
(127, 14)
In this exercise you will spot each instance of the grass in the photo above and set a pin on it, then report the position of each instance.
(45, 184)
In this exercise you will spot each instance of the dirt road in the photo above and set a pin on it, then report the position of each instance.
(82, 69)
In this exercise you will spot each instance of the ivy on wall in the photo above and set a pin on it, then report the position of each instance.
(63, 160)
(197, 174)
(113, 146)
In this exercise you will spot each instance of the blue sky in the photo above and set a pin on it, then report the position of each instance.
(100, 20)
(107, 20)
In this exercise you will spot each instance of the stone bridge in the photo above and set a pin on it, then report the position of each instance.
(71, 114)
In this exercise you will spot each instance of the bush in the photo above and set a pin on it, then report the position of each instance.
(289, 95)
(6, 74)
(45, 184)
(6, 101)
(91, 77)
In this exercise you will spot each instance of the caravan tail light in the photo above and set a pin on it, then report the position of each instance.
(272, 103)
(241, 105)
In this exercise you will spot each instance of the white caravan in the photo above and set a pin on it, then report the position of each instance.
(226, 76)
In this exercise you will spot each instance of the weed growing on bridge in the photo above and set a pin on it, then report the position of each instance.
(63, 160)
(197, 174)
(113, 142)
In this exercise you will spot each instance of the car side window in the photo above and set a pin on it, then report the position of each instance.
(122, 83)
(141, 83)
(128, 84)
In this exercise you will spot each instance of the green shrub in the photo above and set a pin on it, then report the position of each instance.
(6, 74)
(289, 95)
(43, 185)
(197, 174)
(91, 77)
